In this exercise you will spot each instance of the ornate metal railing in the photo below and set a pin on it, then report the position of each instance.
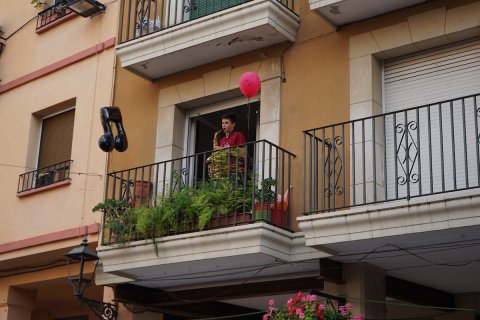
(141, 17)
(240, 185)
(399, 155)
(44, 176)
(52, 14)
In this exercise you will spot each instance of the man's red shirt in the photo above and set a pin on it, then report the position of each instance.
(233, 139)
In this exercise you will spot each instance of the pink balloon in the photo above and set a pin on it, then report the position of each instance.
(249, 84)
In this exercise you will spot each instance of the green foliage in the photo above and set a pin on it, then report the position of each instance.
(37, 3)
(266, 192)
(219, 196)
(117, 227)
(183, 208)
(225, 161)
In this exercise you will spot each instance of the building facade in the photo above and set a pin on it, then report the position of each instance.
(366, 122)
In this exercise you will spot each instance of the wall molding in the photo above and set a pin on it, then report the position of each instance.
(79, 56)
(49, 238)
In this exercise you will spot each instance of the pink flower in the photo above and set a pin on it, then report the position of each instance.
(311, 297)
(271, 302)
(348, 306)
(265, 317)
(357, 317)
(300, 314)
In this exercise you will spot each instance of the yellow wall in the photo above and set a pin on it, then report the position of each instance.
(137, 99)
(316, 92)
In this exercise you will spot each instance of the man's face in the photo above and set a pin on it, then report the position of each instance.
(227, 125)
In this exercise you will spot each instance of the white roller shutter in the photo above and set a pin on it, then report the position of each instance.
(442, 139)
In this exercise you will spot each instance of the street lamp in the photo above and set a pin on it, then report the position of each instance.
(85, 8)
(76, 259)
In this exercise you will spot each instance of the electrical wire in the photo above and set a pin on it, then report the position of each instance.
(71, 172)
(20, 28)
(56, 263)
(229, 290)
(443, 247)
(242, 271)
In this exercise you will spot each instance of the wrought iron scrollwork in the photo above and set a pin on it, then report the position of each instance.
(407, 152)
(189, 6)
(103, 310)
(478, 116)
(333, 164)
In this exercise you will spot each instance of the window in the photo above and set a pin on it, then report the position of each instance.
(55, 148)
(206, 125)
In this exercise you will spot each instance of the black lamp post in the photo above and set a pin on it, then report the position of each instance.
(85, 8)
(76, 259)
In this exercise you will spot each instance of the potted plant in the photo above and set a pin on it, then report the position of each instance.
(265, 196)
(306, 307)
(118, 221)
(217, 200)
(270, 206)
(37, 3)
(225, 161)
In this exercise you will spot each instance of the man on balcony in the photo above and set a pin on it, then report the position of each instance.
(227, 160)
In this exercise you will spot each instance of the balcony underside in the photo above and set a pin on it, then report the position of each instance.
(226, 255)
(428, 241)
(340, 12)
(250, 26)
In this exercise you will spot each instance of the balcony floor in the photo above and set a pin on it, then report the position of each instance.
(226, 255)
(247, 27)
(428, 241)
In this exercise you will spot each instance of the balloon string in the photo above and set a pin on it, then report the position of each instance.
(248, 121)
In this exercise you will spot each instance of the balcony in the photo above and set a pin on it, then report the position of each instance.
(401, 187)
(52, 16)
(162, 37)
(213, 213)
(44, 177)
(341, 12)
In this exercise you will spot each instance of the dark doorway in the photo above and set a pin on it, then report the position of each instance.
(209, 123)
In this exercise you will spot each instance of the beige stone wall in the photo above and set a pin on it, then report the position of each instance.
(38, 229)
(28, 51)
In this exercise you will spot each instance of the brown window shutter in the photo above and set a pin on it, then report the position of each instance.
(56, 140)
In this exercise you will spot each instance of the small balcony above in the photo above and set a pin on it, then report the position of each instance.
(340, 12)
(52, 16)
(44, 178)
(162, 37)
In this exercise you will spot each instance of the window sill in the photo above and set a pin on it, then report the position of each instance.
(45, 188)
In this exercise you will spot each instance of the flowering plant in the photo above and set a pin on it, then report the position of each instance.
(306, 307)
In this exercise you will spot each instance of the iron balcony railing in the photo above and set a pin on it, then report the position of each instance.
(53, 13)
(44, 176)
(246, 183)
(141, 17)
(399, 155)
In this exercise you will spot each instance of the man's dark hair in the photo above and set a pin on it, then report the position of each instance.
(230, 116)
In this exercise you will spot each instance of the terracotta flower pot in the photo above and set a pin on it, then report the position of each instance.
(230, 220)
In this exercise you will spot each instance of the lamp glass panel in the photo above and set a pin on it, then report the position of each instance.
(81, 6)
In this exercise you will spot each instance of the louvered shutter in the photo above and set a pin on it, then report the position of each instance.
(437, 147)
(56, 139)
(202, 8)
